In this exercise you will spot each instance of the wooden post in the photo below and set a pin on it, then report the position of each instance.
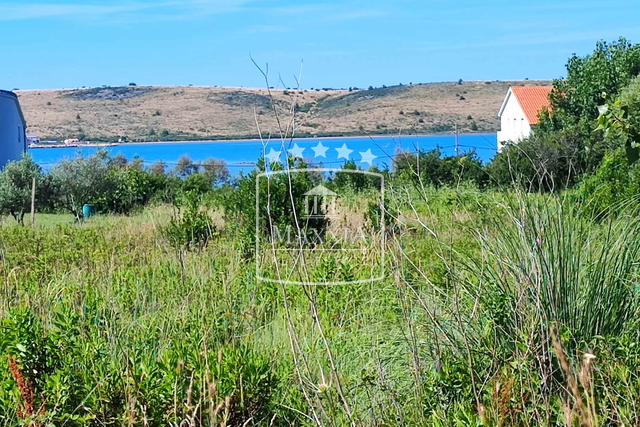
(33, 201)
(457, 147)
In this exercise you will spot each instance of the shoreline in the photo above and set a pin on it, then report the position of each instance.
(257, 140)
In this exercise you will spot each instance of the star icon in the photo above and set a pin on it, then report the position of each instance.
(296, 151)
(320, 150)
(273, 156)
(367, 157)
(344, 152)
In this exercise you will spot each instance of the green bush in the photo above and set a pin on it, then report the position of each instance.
(190, 228)
(127, 189)
(197, 182)
(61, 376)
(355, 181)
(281, 197)
(432, 168)
(613, 184)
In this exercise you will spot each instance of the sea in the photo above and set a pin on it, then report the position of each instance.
(241, 155)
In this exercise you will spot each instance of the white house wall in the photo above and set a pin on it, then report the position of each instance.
(12, 129)
(514, 125)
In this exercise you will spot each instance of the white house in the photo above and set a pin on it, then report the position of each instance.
(13, 140)
(519, 112)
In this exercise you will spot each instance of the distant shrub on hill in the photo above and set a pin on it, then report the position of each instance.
(109, 93)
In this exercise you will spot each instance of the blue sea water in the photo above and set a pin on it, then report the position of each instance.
(241, 155)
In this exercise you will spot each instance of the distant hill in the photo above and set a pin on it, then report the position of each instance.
(152, 113)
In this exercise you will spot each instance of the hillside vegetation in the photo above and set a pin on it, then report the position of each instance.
(147, 113)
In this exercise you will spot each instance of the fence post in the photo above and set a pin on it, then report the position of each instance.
(33, 201)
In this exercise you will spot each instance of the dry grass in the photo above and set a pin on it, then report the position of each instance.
(144, 113)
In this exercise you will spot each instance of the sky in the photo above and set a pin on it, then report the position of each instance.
(48, 44)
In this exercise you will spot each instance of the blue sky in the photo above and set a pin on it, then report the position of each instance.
(72, 43)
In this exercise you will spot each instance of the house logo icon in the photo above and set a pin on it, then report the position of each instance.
(320, 202)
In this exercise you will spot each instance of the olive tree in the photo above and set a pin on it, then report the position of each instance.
(185, 166)
(16, 182)
(215, 171)
(80, 180)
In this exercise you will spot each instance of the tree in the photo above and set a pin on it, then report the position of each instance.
(119, 161)
(185, 166)
(621, 120)
(137, 163)
(592, 81)
(215, 171)
(356, 181)
(16, 182)
(158, 168)
(80, 180)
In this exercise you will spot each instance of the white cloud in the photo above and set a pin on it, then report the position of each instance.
(138, 11)
(300, 9)
(21, 11)
(262, 29)
(128, 11)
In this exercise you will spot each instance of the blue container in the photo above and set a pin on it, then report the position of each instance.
(88, 210)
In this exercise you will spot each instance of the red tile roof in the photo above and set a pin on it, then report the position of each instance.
(532, 99)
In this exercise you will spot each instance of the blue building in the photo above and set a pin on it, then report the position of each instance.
(13, 138)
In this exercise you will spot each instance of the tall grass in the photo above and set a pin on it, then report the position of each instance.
(551, 265)
(490, 304)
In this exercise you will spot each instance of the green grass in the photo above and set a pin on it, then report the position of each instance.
(110, 325)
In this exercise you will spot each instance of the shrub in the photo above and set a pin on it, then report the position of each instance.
(189, 228)
(198, 183)
(547, 161)
(275, 196)
(62, 375)
(119, 161)
(127, 189)
(354, 181)
(432, 168)
(612, 189)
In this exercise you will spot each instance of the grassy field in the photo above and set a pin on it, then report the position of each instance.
(185, 113)
(489, 305)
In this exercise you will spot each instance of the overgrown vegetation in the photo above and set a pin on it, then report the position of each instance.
(510, 294)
